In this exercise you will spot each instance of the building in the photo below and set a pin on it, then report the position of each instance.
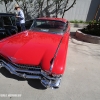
(84, 10)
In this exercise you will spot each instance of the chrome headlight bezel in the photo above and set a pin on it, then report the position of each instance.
(57, 75)
(47, 73)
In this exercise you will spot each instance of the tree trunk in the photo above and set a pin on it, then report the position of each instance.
(68, 7)
(56, 9)
(6, 6)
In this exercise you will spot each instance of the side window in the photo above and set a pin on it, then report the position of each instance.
(66, 26)
(1, 22)
(38, 23)
(13, 19)
(7, 20)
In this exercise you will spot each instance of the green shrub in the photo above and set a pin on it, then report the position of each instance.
(81, 21)
(72, 21)
(76, 21)
(93, 28)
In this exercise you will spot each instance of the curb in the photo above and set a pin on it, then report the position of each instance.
(87, 38)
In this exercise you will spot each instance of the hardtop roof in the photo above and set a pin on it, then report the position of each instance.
(7, 14)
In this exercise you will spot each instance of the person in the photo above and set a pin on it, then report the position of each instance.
(20, 17)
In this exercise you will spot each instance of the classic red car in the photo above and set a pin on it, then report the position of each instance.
(38, 53)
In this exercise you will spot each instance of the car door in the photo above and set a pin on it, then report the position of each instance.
(9, 24)
(2, 29)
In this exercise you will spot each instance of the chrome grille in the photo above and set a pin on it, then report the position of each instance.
(29, 67)
(21, 66)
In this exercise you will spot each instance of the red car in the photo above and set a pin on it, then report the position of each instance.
(38, 53)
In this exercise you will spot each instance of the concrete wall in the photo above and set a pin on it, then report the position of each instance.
(83, 10)
(79, 11)
(10, 7)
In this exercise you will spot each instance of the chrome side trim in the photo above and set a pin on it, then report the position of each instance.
(53, 59)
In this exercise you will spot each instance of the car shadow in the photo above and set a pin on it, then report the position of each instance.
(32, 82)
(36, 84)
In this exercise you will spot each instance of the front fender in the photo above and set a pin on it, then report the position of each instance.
(60, 60)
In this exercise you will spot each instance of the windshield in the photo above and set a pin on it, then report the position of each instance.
(51, 26)
(7, 20)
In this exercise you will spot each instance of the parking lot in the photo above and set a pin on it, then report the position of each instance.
(81, 80)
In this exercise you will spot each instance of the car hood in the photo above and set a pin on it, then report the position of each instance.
(30, 47)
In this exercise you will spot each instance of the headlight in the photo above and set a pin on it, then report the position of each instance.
(45, 72)
(55, 75)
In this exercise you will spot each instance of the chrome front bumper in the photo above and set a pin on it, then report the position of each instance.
(46, 80)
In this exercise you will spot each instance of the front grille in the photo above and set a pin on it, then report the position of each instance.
(21, 66)
(29, 72)
(29, 67)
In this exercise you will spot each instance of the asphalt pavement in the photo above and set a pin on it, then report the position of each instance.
(81, 80)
